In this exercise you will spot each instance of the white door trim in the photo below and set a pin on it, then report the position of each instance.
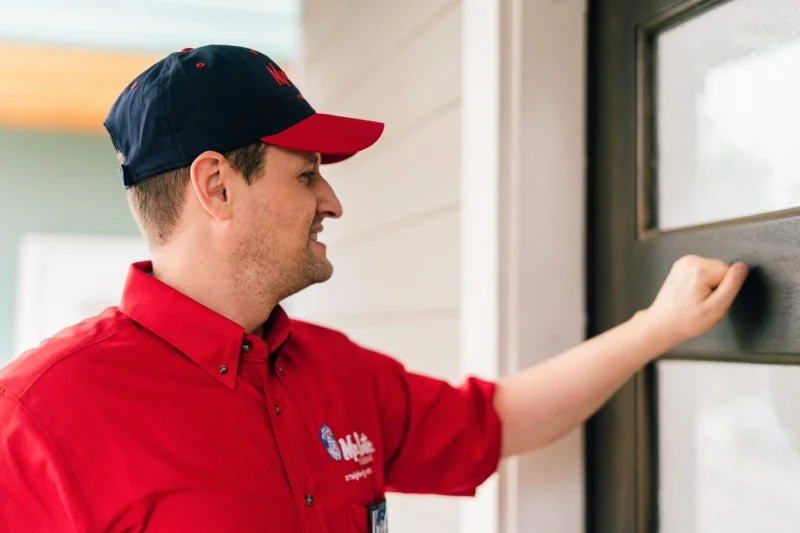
(523, 236)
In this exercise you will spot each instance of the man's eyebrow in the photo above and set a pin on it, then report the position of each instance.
(313, 159)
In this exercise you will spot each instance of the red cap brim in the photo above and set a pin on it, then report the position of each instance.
(335, 138)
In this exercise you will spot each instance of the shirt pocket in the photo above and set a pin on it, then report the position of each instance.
(359, 518)
(368, 518)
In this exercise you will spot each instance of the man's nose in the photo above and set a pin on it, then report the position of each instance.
(328, 202)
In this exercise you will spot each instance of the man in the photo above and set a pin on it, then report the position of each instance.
(198, 405)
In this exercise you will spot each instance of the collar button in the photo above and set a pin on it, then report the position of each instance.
(247, 346)
(223, 369)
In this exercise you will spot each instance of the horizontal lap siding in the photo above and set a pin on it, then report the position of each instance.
(396, 249)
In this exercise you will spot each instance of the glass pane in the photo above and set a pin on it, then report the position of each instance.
(728, 113)
(729, 447)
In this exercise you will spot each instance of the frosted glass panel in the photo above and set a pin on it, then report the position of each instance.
(729, 448)
(728, 113)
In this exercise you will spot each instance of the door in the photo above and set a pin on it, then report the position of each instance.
(694, 147)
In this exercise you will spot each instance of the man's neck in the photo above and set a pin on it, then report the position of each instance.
(216, 289)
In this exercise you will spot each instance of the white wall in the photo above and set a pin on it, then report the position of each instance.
(523, 208)
(477, 191)
(396, 249)
(543, 207)
(63, 279)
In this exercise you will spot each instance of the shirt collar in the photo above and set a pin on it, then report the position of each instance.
(212, 341)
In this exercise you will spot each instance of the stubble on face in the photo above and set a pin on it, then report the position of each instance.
(276, 256)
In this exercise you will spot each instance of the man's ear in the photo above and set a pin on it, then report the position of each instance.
(210, 177)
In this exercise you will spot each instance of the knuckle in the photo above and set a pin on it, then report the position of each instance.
(688, 261)
(720, 263)
(694, 272)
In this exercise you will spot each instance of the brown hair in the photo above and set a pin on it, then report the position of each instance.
(157, 201)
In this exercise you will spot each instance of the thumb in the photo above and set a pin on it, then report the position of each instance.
(722, 297)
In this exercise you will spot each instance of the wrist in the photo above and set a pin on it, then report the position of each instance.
(657, 332)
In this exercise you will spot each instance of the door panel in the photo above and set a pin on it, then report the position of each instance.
(729, 441)
(726, 83)
(693, 122)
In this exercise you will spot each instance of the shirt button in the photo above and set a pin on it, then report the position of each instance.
(223, 369)
(309, 500)
(277, 408)
(247, 346)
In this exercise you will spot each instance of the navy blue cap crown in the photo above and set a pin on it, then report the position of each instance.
(215, 97)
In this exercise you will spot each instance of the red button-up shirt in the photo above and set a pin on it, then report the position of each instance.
(161, 415)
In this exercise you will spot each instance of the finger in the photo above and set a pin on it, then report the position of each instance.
(713, 271)
(732, 281)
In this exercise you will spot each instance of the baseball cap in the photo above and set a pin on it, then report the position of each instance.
(221, 97)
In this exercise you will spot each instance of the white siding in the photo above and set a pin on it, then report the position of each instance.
(396, 249)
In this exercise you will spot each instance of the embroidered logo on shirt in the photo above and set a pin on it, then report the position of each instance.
(357, 448)
(327, 438)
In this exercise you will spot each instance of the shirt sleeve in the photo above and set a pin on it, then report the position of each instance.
(438, 438)
(35, 490)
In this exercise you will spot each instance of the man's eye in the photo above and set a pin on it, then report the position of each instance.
(306, 177)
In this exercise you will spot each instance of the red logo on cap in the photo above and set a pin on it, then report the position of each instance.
(279, 75)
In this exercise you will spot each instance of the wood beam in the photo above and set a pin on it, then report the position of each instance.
(55, 88)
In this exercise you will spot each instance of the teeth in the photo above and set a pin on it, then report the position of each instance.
(313, 236)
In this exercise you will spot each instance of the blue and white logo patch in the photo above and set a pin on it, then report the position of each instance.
(327, 438)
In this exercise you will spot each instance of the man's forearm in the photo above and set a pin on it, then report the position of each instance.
(546, 401)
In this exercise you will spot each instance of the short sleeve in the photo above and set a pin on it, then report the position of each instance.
(438, 438)
(35, 492)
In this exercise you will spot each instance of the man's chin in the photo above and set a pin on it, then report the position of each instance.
(325, 273)
(321, 272)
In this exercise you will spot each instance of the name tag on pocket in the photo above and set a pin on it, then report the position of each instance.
(377, 517)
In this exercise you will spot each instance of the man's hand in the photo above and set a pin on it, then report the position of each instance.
(697, 293)
(542, 403)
